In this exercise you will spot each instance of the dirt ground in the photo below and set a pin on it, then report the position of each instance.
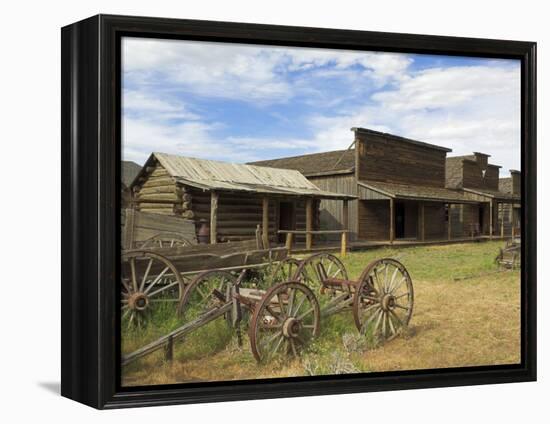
(466, 313)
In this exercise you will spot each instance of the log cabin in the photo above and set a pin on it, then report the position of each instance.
(399, 183)
(128, 172)
(231, 199)
(493, 213)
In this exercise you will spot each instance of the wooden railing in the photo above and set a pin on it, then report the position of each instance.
(309, 243)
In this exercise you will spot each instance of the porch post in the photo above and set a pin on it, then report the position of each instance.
(392, 221)
(309, 223)
(501, 220)
(213, 217)
(345, 222)
(449, 223)
(491, 220)
(265, 222)
(422, 225)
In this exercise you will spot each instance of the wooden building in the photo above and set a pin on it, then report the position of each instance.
(231, 199)
(128, 172)
(493, 213)
(399, 183)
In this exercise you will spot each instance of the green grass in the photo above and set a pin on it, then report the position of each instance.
(465, 313)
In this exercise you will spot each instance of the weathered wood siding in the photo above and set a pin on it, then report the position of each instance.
(330, 211)
(435, 225)
(380, 158)
(473, 175)
(374, 219)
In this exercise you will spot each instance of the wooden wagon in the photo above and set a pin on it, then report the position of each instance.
(286, 316)
(161, 257)
(509, 256)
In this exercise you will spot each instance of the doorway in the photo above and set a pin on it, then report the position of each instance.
(399, 220)
(286, 219)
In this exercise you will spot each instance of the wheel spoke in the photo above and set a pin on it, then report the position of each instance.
(306, 313)
(368, 321)
(125, 286)
(293, 313)
(134, 279)
(397, 318)
(390, 285)
(401, 306)
(156, 280)
(293, 346)
(172, 284)
(378, 321)
(399, 284)
(392, 328)
(291, 299)
(145, 275)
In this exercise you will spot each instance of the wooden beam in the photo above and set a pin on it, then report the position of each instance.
(392, 220)
(449, 224)
(309, 223)
(213, 217)
(265, 222)
(491, 220)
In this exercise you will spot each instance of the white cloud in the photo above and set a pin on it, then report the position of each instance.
(465, 108)
(247, 72)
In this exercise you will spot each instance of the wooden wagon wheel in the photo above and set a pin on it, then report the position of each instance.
(149, 283)
(207, 290)
(308, 271)
(284, 321)
(286, 270)
(165, 240)
(383, 301)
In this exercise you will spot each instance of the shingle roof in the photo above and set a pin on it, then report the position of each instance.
(336, 161)
(224, 176)
(404, 191)
(129, 171)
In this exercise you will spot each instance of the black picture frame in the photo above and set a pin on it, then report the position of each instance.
(90, 137)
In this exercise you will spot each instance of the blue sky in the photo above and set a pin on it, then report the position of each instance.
(240, 103)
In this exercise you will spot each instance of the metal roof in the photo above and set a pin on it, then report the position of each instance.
(225, 176)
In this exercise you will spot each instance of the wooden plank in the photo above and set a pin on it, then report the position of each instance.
(213, 217)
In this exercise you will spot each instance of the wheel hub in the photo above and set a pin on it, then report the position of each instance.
(138, 301)
(387, 302)
(291, 327)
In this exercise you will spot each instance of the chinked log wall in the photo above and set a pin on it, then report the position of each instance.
(238, 214)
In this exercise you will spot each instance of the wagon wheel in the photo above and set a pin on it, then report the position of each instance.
(150, 283)
(207, 290)
(284, 321)
(165, 240)
(286, 270)
(308, 271)
(383, 301)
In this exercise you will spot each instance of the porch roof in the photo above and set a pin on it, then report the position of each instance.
(410, 192)
(494, 194)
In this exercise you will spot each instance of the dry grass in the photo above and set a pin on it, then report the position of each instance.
(475, 321)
